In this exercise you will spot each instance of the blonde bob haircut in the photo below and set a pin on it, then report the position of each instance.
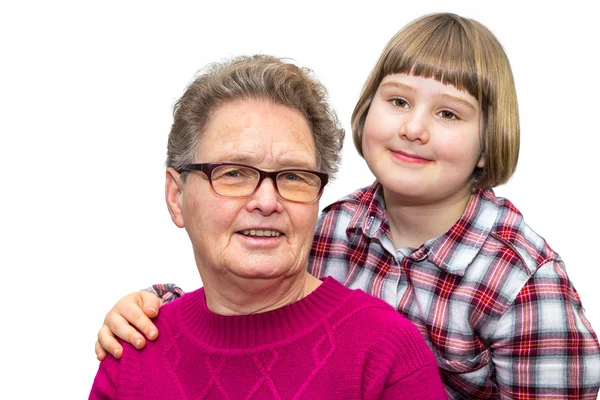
(465, 54)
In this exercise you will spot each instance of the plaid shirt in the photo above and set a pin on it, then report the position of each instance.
(491, 298)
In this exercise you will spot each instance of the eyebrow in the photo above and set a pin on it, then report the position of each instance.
(236, 158)
(460, 100)
(399, 85)
(286, 162)
(443, 96)
(295, 164)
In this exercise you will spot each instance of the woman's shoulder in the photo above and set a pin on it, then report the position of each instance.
(180, 310)
(383, 332)
(370, 313)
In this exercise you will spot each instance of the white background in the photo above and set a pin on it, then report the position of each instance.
(86, 91)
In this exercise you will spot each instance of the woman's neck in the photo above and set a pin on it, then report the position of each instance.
(412, 224)
(235, 296)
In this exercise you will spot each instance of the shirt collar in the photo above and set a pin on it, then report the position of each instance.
(370, 218)
(453, 251)
(456, 249)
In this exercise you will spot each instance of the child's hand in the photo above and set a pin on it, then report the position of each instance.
(132, 311)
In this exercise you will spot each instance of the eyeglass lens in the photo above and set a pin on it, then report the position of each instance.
(239, 181)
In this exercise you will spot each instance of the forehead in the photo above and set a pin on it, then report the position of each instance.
(259, 133)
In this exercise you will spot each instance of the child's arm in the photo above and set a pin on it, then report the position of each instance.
(544, 347)
(131, 312)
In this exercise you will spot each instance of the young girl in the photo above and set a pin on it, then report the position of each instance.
(437, 123)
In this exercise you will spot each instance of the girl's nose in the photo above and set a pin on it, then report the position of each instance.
(415, 127)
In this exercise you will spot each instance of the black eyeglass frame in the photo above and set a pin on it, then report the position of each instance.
(208, 168)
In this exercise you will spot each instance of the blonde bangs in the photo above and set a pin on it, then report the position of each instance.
(443, 52)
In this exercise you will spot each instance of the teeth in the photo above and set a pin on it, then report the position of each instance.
(259, 232)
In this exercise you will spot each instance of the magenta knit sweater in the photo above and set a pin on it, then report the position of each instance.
(335, 343)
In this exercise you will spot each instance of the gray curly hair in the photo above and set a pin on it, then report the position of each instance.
(254, 77)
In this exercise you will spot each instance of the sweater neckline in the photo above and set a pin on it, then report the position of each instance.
(258, 330)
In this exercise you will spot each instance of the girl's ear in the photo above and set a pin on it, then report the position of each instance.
(173, 196)
(481, 162)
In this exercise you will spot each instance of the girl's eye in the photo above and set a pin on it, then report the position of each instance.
(447, 115)
(399, 103)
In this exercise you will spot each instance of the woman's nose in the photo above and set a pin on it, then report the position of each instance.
(265, 198)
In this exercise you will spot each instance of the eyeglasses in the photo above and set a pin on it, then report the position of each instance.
(239, 180)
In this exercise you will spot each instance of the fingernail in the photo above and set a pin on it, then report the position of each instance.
(151, 334)
(152, 309)
(116, 352)
(138, 343)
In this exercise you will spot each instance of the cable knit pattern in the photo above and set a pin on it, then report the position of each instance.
(335, 343)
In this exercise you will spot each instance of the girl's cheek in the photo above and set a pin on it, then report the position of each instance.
(367, 138)
(372, 128)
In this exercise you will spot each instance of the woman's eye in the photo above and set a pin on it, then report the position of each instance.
(292, 177)
(399, 103)
(229, 173)
(447, 114)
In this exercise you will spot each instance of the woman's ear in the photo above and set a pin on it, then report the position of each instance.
(173, 196)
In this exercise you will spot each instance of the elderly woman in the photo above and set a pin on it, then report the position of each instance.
(252, 145)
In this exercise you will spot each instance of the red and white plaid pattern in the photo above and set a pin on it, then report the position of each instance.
(166, 291)
(491, 298)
